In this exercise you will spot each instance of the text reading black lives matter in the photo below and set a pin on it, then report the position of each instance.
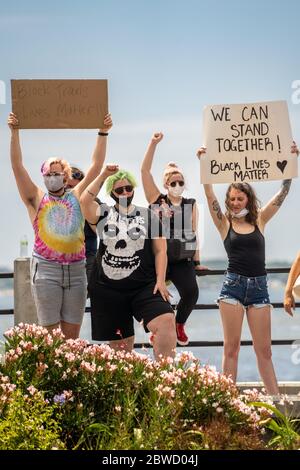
(246, 136)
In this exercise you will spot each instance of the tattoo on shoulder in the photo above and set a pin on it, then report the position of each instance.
(286, 184)
(216, 208)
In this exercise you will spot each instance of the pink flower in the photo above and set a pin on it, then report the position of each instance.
(32, 390)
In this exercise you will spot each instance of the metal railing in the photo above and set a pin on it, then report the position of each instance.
(210, 272)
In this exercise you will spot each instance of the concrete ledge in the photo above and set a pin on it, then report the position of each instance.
(291, 389)
(287, 388)
(24, 306)
(291, 410)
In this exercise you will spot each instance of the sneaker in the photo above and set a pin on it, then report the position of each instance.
(182, 338)
(151, 339)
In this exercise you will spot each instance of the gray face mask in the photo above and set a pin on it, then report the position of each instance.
(54, 183)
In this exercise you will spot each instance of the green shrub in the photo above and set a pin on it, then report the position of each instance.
(57, 393)
(28, 424)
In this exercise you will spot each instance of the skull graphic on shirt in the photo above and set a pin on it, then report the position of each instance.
(123, 239)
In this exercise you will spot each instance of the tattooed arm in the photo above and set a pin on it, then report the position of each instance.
(272, 207)
(89, 207)
(219, 219)
(268, 211)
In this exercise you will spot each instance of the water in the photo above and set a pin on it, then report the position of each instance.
(205, 325)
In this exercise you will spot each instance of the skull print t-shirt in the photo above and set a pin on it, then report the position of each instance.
(125, 258)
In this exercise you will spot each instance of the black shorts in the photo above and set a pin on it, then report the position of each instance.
(112, 311)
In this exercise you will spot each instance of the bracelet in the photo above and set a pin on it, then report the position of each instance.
(196, 262)
(103, 133)
(92, 194)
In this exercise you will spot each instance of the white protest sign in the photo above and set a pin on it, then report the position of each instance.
(247, 142)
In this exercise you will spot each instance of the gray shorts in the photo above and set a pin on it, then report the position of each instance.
(59, 291)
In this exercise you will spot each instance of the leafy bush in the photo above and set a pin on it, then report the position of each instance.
(104, 399)
(28, 423)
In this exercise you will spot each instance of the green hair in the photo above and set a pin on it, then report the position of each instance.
(120, 175)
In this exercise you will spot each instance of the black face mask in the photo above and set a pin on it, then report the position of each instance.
(122, 201)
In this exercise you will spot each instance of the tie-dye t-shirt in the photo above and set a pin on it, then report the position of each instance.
(59, 229)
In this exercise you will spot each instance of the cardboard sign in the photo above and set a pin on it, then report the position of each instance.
(59, 104)
(247, 142)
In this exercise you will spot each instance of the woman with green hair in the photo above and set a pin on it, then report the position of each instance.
(128, 280)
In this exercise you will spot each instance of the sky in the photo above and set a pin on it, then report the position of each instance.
(164, 61)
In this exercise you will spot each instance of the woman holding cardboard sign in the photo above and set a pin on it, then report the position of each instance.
(179, 217)
(245, 283)
(58, 277)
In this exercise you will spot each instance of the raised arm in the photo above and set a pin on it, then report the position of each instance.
(219, 219)
(29, 192)
(151, 190)
(89, 207)
(272, 207)
(289, 301)
(98, 158)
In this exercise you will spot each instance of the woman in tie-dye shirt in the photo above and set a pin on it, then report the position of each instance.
(58, 276)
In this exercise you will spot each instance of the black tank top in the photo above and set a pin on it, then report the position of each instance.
(246, 253)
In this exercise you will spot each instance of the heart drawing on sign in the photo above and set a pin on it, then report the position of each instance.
(282, 165)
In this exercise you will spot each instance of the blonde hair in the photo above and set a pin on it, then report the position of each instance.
(45, 168)
(170, 170)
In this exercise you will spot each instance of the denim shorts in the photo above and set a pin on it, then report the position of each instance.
(245, 290)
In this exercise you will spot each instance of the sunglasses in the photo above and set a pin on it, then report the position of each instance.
(174, 183)
(77, 175)
(54, 173)
(128, 188)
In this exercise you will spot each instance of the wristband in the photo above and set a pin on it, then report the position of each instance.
(103, 133)
(196, 262)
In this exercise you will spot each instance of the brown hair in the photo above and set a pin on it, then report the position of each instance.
(253, 204)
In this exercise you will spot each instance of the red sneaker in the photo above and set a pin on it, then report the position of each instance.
(182, 338)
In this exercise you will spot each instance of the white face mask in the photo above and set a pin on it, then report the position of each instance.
(240, 214)
(177, 191)
(54, 183)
